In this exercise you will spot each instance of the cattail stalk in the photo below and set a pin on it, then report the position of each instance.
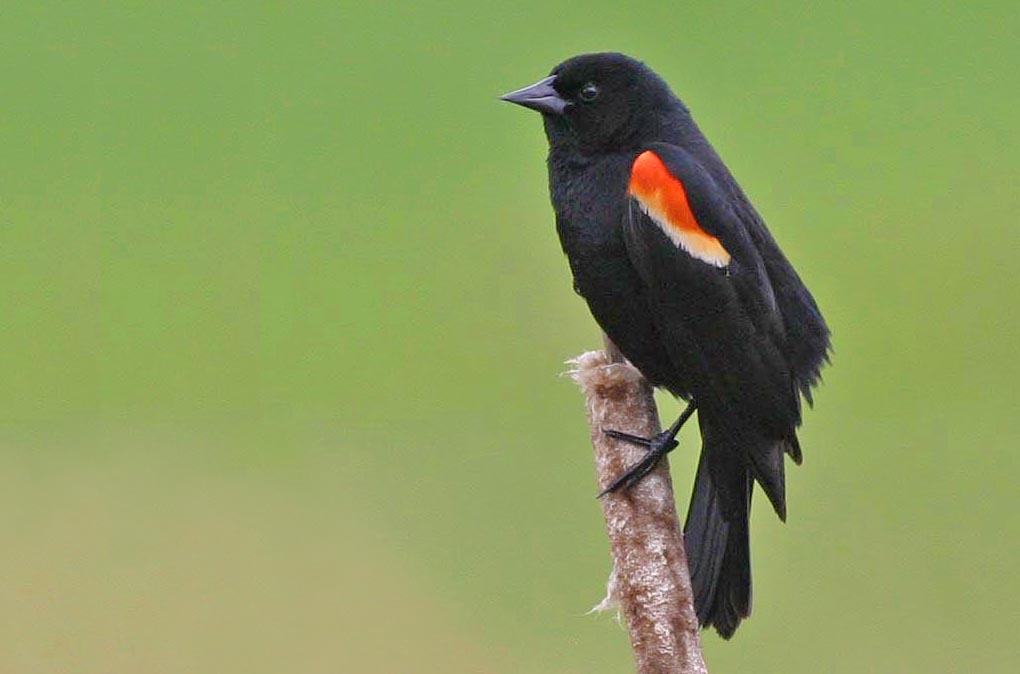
(649, 583)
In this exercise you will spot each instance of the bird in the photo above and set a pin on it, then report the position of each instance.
(682, 275)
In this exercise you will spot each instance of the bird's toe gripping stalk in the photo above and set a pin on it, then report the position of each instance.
(658, 447)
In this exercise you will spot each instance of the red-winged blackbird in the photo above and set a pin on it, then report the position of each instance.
(681, 273)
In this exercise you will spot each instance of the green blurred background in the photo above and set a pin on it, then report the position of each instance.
(283, 313)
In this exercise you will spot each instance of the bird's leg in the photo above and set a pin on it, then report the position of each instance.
(658, 447)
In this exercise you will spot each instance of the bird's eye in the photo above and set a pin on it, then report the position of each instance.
(589, 92)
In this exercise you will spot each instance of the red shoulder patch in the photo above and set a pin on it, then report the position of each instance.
(663, 198)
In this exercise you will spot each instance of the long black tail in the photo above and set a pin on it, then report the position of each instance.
(716, 534)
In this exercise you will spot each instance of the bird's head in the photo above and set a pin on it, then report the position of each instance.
(600, 102)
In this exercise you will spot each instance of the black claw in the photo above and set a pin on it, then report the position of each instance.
(634, 474)
(663, 442)
(627, 437)
(658, 447)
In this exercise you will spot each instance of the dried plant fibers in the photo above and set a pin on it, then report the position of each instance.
(649, 582)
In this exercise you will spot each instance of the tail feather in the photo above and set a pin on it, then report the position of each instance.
(705, 536)
(717, 536)
(768, 467)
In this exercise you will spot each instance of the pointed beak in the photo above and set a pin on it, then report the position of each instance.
(539, 96)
